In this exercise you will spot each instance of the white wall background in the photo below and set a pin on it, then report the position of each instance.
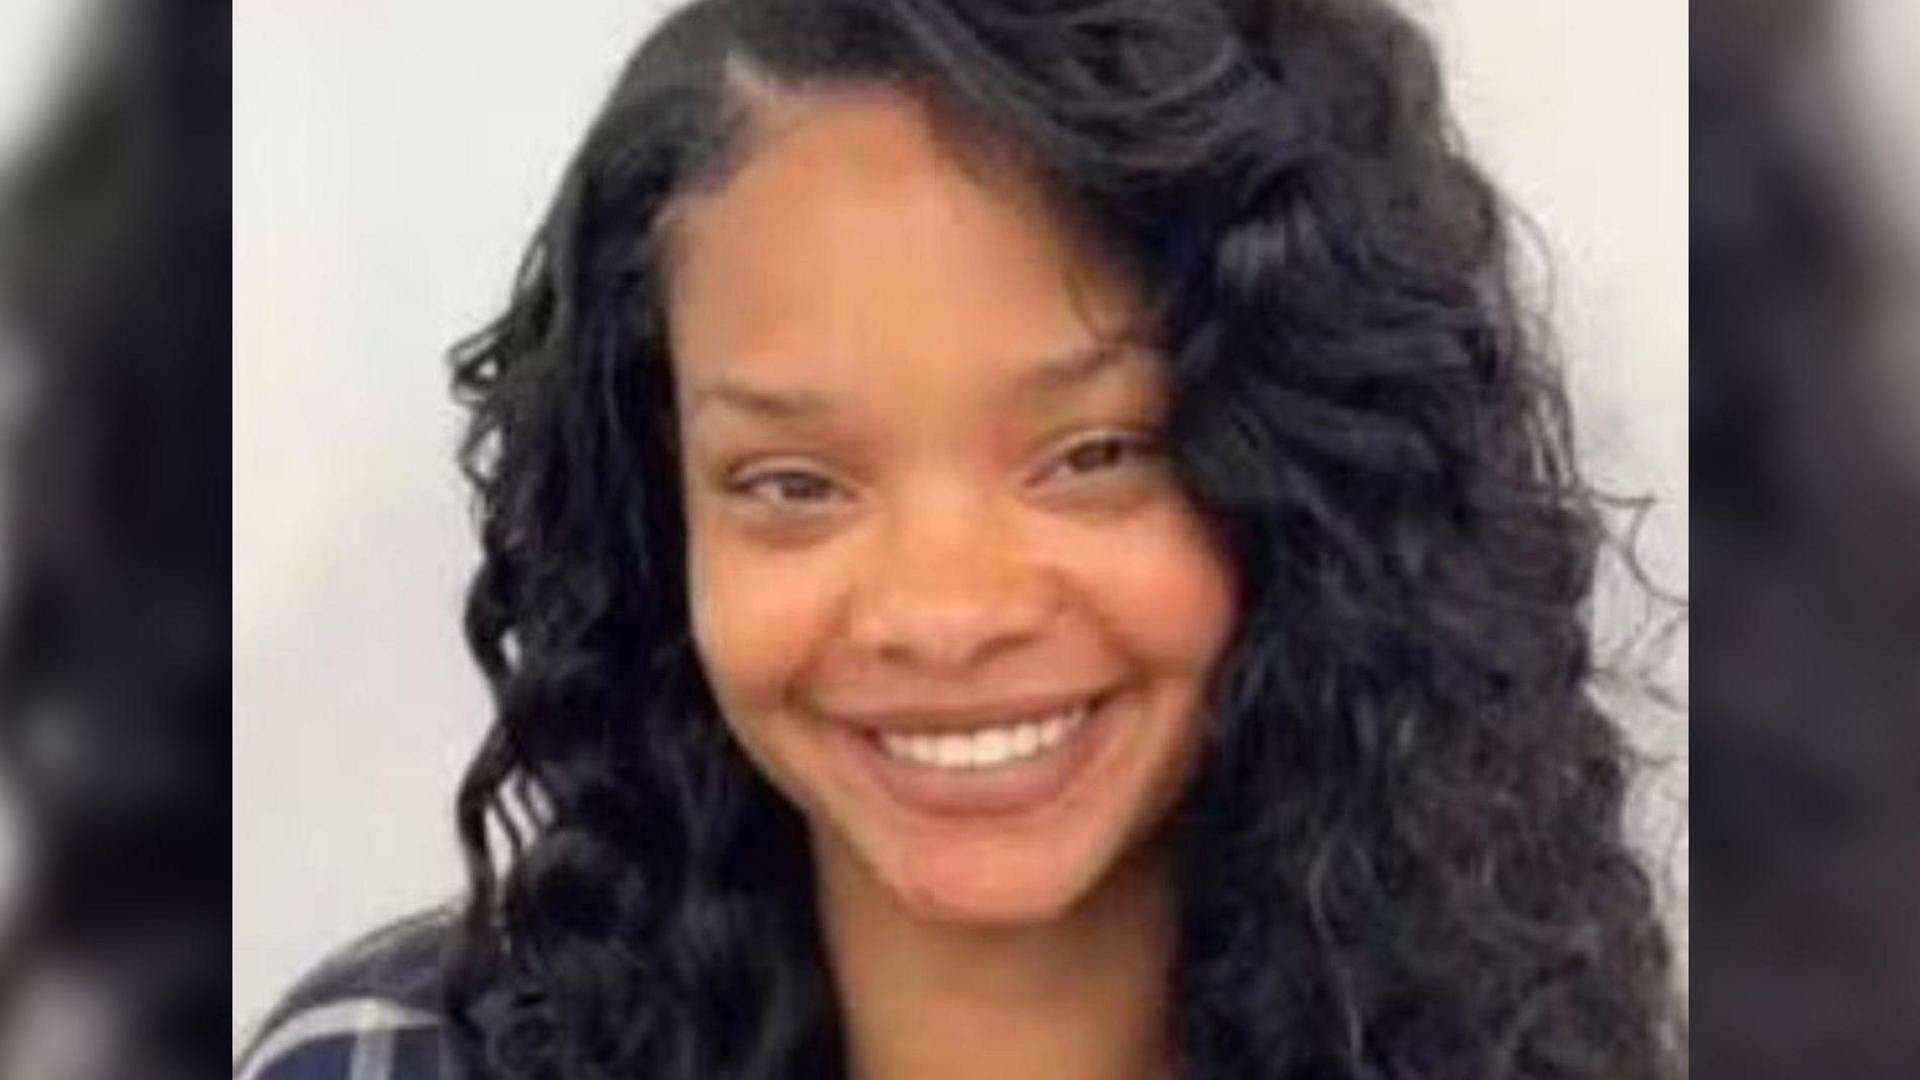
(390, 159)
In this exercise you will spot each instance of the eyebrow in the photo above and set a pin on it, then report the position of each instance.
(770, 403)
(1073, 368)
(1051, 376)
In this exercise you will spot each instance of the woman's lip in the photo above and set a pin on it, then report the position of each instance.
(1011, 788)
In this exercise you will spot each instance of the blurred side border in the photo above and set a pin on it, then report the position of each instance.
(115, 551)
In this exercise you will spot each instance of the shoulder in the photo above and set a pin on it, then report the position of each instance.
(369, 1012)
(352, 1039)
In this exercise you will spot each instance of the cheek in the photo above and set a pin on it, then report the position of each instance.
(757, 617)
(1165, 593)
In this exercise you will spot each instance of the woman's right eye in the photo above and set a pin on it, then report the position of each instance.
(783, 489)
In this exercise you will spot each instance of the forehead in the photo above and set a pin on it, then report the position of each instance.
(853, 238)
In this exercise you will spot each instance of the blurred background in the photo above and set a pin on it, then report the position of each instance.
(390, 160)
(1805, 295)
(115, 550)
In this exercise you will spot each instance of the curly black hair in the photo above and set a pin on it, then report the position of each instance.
(1403, 853)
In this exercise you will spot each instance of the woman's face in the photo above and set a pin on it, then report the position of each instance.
(949, 596)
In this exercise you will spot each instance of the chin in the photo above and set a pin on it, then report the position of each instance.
(988, 889)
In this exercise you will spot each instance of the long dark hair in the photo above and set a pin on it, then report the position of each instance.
(1403, 855)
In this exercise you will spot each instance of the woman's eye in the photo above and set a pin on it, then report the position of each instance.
(782, 488)
(1102, 454)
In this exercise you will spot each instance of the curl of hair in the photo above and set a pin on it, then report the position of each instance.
(1404, 849)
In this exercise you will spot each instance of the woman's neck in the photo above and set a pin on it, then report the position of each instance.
(1082, 998)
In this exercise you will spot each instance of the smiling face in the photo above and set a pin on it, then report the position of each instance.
(948, 593)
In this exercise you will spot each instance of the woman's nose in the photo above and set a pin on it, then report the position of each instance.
(947, 588)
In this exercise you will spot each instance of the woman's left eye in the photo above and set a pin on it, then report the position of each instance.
(1103, 453)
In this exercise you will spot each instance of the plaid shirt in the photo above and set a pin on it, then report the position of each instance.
(367, 1014)
(355, 1039)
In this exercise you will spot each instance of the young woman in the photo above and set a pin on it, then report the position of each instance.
(1023, 540)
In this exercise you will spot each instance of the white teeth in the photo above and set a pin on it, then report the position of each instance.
(985, 748)
(1026, 739)
(1052, 731)
(991, 747)
(955, 751)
